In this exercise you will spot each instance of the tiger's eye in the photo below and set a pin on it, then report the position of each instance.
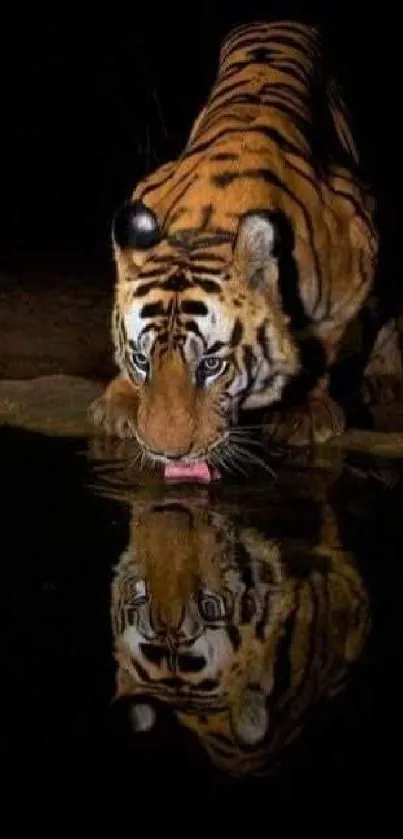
(210, 366)
(140, 360)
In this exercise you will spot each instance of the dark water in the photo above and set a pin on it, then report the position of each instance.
(236, 646)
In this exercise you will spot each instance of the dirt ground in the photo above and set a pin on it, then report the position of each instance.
(53, 321)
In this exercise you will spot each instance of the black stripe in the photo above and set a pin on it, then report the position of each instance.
(294, 70)
(176, 283)
(219, 237)
(157, 184)
(152, 310)
(147, 273)
(271, 41)
(209, 286)
(233, 69)
(223, 155)
(206, 214)
(218, 345)
(224, 114)
(292, 112)
(237, 333)
(141, 671)
(249, 361)
(262, 57)
(181, 211)
(294, 108)
(199, 272)
(190, 180)
(149, 328)
(242, 99)
(247, 40)
(267, 131)
(259, 27)
(203, 256)
(164, 259)
(312, 182)
(199, 148)
(352, 201)
(194, 307)
(282, 681)
(283, 88)
(142, 290)
(191, 326)
(222, 89)
(287, 108)
(233, 635)
(262, 341)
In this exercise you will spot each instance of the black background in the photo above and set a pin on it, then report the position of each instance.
(92, 101)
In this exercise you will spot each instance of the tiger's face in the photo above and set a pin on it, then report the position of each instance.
(201, 332)
(185, 609)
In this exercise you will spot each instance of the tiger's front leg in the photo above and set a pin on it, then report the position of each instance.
(316, 420)
(115, 412)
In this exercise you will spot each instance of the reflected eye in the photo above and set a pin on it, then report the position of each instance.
(140, 360)
(211, 366)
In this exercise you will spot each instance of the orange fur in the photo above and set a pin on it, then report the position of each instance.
(251, 151)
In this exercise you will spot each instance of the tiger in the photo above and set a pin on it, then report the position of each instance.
(239, 633)
(240, 265)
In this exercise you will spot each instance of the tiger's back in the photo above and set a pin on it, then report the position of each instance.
(260, 237)
(257, 144)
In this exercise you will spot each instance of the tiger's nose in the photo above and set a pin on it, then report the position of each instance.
(171, 440)
(170, 452)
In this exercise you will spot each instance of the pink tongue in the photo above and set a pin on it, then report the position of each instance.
(195, 471)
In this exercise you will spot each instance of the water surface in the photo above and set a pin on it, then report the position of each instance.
(237, 639)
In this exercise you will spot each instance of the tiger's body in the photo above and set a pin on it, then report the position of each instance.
(257, 241)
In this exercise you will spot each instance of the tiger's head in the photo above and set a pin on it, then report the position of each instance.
(238, 636)
(199, 328)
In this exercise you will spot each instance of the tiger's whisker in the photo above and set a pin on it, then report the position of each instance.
(253, 458)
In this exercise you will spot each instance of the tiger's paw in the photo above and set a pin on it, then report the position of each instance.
(115, 411)
(316, 422)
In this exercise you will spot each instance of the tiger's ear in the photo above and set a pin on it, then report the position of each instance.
(250, 719)
(256, 248)
(135, 229)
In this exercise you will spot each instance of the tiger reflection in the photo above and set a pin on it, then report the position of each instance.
(238, 633)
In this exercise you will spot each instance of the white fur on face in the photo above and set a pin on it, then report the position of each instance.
(215, 326)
